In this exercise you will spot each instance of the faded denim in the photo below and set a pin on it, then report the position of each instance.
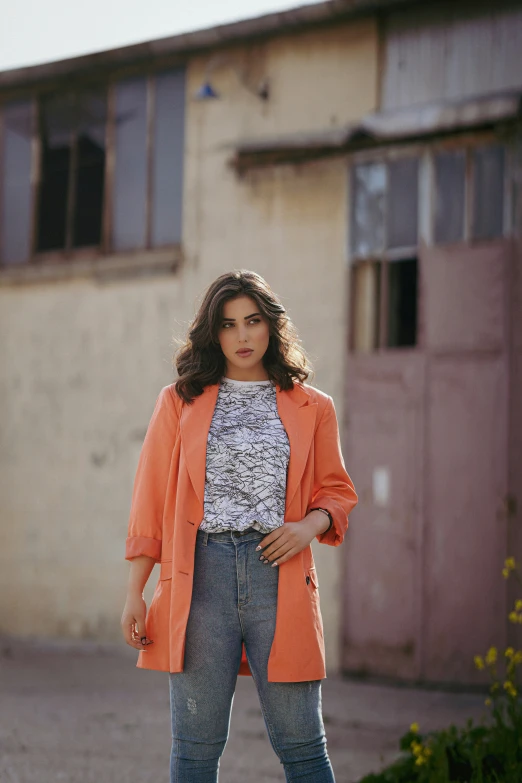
(234, 599)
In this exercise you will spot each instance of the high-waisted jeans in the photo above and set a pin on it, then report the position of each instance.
(234, 599)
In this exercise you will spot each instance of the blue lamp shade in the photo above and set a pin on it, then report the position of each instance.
(206, 92)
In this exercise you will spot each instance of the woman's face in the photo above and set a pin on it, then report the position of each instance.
(243, 336)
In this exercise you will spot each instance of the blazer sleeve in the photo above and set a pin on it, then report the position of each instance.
(150, 483)
(333, 488)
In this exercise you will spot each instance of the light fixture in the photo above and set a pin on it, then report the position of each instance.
(208, 92)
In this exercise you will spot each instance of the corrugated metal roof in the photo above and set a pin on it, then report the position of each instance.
(189, 43)
(415, 122)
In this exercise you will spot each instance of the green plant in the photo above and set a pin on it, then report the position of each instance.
(487, 753)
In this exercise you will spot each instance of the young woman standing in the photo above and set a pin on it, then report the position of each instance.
(240, 470)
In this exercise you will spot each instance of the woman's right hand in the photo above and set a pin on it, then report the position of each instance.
(133, 622)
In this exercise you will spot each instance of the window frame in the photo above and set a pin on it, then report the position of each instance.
(85, 257)
(425, 151)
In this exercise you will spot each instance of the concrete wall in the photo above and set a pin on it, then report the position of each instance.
(82, 362)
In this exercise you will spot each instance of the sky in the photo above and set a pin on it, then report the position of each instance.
(36, 31)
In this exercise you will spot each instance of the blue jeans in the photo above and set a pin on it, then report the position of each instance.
(234, 600)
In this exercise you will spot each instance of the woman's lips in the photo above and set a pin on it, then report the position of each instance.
(245, 352)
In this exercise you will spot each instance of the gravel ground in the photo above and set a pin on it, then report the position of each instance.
(85, 714)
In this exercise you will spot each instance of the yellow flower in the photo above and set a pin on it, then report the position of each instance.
(510, 689)
(488, 702)
(505, 573)
(517, 658)
(479, 662)
(414, 728)
(491, 656)
(510, 563)
(509, 652)
(518, 605)
(513, 617)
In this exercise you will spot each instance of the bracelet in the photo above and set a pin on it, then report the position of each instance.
(325, 511)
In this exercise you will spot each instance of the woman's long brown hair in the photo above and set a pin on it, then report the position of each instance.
(200, 361)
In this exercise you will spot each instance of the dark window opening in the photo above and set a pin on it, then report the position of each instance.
(402, 303)
(90, 172)
(72, 172)
(56, 140)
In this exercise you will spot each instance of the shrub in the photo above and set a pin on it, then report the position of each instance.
(487, 753)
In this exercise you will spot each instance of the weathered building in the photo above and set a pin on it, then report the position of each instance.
(365, 157)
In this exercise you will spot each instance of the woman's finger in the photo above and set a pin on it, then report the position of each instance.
(280, 552)
(280, 559)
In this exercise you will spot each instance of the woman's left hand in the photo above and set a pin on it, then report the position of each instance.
(291, 538)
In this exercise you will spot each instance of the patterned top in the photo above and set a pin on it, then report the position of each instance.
(247, 459)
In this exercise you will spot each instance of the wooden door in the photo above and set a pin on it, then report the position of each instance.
(466, 340)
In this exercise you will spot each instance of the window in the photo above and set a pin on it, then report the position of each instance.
(72, 172)
(384, 237)
(488, 192)
(15, 187)
(450, 180)
(471, 176)
(461, 200)
(108, 180)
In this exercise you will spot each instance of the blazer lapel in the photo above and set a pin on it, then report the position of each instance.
(295, 410)
(195, 424)
(298, 416)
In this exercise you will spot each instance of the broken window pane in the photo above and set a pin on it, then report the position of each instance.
(130, 175)
(450, 182)
(367, 223)
(15, 198)
(402, 203)
(90, 169)
(167, 174)
(366, 282)
(488, 192)
(57, 125)
(402, 303)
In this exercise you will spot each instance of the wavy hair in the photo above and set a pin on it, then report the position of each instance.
(200, 361)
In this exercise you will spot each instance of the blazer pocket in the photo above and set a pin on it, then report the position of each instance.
(311, 578)
(166, 570)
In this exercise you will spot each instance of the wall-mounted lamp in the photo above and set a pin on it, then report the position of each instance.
(208, 92)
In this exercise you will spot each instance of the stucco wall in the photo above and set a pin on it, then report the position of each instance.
(82, 363)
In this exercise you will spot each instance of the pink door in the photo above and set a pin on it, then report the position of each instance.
(466, 338)
(426, 438)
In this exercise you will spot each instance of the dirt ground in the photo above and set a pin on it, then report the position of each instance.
(85, 714)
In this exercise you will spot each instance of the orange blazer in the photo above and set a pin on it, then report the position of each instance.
(167, 508)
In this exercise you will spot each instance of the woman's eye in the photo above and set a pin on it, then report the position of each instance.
(255, 321)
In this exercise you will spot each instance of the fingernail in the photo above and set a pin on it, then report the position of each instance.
(258, 548)
(274, 564)
(143, 639)
(267, 561)
(261, 558)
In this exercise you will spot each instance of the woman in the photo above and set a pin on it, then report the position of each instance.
(240, 470)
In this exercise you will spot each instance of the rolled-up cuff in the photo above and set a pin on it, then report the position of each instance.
(138, 545)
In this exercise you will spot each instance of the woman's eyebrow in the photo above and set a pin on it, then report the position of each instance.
(246, 317)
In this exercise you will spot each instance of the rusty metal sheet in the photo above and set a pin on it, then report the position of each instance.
(465, 545)
(464, 307)
(383, 443)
